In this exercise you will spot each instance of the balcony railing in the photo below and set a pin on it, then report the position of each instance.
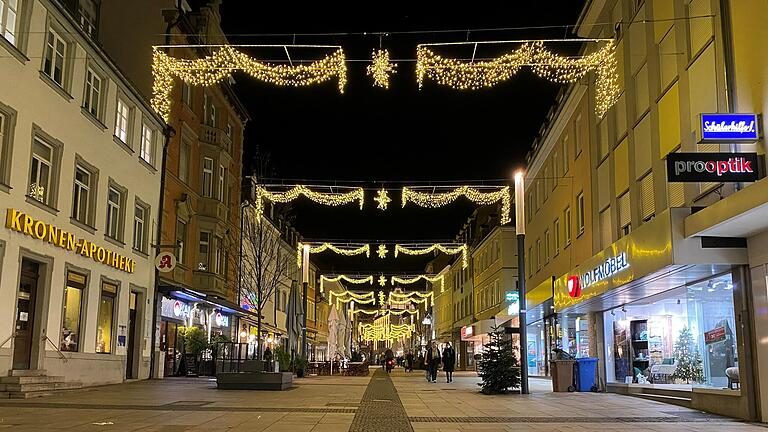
(217, 137)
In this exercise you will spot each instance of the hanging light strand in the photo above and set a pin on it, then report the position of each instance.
(440, 199)
(449, 250)
(345, 250)
(352, 280)
(333, 199)
(212, 69)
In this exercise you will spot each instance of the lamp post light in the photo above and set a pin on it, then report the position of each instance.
(520, 230)
(305, 291)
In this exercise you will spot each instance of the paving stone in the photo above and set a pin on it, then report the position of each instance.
(380, 409)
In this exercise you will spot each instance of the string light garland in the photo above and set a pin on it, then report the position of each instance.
(440, 199)
(446, 249)
(407, 280)
(214, 68)
(352, 280)
(381, 68)
(472, 75)
(349, 296)
(382, 251)
(382, 197)
(346, 250)
(333, 199)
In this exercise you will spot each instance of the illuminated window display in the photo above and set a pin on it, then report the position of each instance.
(685, 336)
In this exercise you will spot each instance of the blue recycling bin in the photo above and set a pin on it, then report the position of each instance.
(586, 369)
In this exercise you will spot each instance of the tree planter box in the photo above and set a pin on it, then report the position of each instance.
(254, 380)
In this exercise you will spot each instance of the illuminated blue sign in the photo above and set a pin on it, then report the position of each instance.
(512, 296)
(729, 127)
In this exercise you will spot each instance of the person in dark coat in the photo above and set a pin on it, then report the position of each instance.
(409, 361)
(433, 361)
(449, 361)
(420, 364)
(268, 360)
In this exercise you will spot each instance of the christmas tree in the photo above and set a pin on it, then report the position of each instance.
(498, 365)
(689, 363)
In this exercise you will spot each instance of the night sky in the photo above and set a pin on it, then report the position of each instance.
(386, 137)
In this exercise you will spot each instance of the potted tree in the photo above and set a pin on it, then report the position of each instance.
(300, 366)
(195, 342)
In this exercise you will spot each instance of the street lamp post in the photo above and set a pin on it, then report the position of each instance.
(305, 289)
(520, 230)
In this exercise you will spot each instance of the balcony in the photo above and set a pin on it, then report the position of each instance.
(212, 208)
(216, 137)
(209, 283)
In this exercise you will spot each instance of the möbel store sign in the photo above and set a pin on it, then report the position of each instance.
(712, 167)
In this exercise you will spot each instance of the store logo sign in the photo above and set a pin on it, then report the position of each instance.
(221, 320)
(712, 167)
(608, 268)
(729, 127)
(574, 286)
(466, 332)
(181, 310)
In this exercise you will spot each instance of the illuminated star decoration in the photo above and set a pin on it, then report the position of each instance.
(381, 299)
(382, 251)
(382, 280)
(380, 68)
(382, 197)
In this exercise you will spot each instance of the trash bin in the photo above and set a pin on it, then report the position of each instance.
(562, 374)
(586, 369)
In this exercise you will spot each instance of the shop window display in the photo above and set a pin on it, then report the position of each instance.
(572, 333)
(685, 336)
(536, 349)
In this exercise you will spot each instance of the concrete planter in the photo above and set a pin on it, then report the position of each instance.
(254, 380)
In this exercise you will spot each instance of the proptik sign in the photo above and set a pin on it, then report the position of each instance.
(712, 167)
(729, 127)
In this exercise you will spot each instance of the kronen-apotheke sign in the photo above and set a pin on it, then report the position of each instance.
(729, 127)
(25, 224)
(712, 167)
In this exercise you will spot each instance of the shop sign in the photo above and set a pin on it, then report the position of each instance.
(25, 224)
(222, 320)
(574, 286)
(608, 268)
(729, 127)
(466, 332)
(172, 308)
(165, 262)
(712, 167)
(717, 334)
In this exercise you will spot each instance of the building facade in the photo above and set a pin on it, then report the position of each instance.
(76, 262)
(202, 166)
(628, 263)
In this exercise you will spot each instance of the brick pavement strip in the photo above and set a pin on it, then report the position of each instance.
(380, 409)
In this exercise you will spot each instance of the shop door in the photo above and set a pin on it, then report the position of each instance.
(130, 343)
(25, 315)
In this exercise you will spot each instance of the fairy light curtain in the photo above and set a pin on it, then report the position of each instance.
(440, 199)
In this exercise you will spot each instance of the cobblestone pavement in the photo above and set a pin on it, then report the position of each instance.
(381, 409)
(396, 402)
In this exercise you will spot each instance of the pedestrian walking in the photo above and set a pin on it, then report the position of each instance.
(433, 361)
(409, 361)
(449, 361)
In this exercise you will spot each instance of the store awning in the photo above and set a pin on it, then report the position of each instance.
(739, 215)
(212, 301)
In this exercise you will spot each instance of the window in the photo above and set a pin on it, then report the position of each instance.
(184, 161)
(82, 194)
(580, 213)
(219, 258)
(72, 314)
(222, 182)
(606, 237)
(209, 111)
(207, 177)
(93, 91)
(181, 240)
(122, 120)
(566, 161)
(538, 254)
(5, 145)
(625, 217)
(87, 11)
(105, 320)
(229, 130)
(114, 200)
(546, 181)
(577, 135)
(530, 261)
(556, 229)
(186, 93)
(41, 171)
(55, 53)
(555, 167)
(9, 12)
(140, 227)
(547, 239)
(147, 151)
(567, 225)
(647, 205)
(202, 256)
